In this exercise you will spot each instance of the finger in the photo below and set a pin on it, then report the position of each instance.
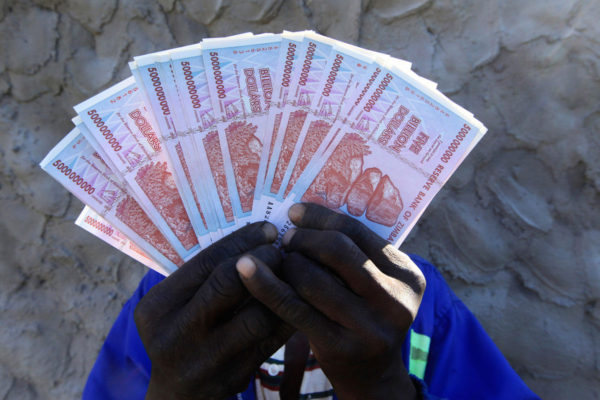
(338, 252)
(243, 366)
(279, 336)
(388, 259)
(314, 216)
(323, 291)
(251, 325)
(241, 241)
(280, 298)
(183, 283)
(223, 291)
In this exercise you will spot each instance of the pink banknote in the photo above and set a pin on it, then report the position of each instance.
(240, 74)
(124, 126)
(92, 222)
(154, 77)
(390, 157)
(76, 165)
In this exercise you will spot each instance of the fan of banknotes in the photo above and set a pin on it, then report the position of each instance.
(206, 138)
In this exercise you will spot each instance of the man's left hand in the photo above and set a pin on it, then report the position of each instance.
(203, 333)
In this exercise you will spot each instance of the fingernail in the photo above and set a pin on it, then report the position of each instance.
(270, 231)
(246, 267)
(296, 212)
(287, 238)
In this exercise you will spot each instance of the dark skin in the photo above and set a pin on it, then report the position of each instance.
(352, 294)
(203, 333)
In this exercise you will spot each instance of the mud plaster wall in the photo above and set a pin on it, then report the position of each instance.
(516, 231)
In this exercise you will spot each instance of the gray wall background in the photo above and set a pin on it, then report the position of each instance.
(516, 231)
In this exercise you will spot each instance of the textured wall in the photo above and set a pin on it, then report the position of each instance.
(516, 231)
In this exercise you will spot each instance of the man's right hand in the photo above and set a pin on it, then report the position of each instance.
(205, 337)
(352, 293)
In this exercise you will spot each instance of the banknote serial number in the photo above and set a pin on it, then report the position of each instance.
(308, 58)
(335, 68)
(74, 176)
(218, 75)
(108, 230)
(159, 92)
(288, 65)
(104, 130)
(374, 76)
(190, 84)
(455, 143)
(378, 92)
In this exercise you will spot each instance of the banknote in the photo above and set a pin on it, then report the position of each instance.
(101, 155)
(92, 222)
(205, 138)
(390, 157)
(240, 80)
(350, 72)
(196, 105)
(154, 77)
(76, 165)
(304, 81)
(286, 63)
(191, 128)
(124, 126)
(78, 122)
(331, 100)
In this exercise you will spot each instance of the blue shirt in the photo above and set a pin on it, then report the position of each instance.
(446, 350)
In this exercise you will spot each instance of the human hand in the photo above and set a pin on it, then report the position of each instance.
(352, 293)
(203, 333)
